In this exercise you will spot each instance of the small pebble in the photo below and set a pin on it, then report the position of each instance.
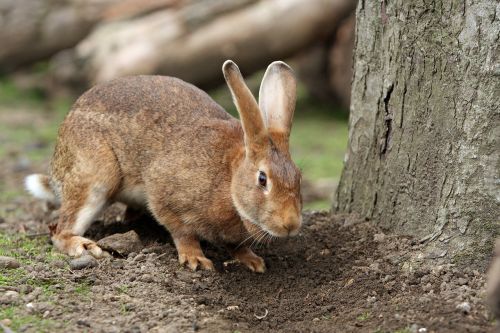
(325, 252)
(6, 322)
(58, 263)
(379, 237)
(148, 278)
(81, 322)
(139, 257)
(232, 308)
(83, 262)
(464, 308)
(427, 287)
(8, 262)
(25, 289)
(9, 297)
(315, 319)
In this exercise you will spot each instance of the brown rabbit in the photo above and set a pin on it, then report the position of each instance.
(162, 144)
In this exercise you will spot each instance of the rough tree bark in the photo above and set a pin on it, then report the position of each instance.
(423, 156)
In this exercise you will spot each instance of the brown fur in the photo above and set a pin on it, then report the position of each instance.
(164, 144)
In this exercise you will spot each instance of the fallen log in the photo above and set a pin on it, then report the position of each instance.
(32, 30)
(172, 43)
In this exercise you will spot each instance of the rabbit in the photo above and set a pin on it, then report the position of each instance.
(160, 143)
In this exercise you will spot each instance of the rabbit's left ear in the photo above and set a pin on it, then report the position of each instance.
(277, 96)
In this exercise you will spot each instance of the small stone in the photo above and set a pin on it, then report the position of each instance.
(140, 257)
(325, 252)
(122, 244)
(422, 330)
(9, 297)
(427, 287)
(8, 262)
(25, 289)
(371, 299)
(134, 329)
(464, 308)
(81, 322)
(58, 263)
(375, 267)
(85, 261)
(39, 307)
(414, 328)
(315, 319)
(148, 278)
(379, 237)
(33, 295)
(7, 322)
(232, 308)
(461, 281)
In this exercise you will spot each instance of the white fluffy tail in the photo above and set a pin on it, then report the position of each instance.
(39, 186)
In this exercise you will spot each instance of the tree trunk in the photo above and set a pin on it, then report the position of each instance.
(423, 156)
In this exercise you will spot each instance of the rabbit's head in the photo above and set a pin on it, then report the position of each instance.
(265, 186)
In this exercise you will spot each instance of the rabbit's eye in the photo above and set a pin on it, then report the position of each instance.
(262, 179)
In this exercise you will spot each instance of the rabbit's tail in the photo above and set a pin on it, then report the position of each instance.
(38, 185)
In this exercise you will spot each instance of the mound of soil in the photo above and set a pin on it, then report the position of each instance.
(337, 275)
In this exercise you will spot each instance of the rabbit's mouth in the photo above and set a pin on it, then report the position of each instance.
(264, 233)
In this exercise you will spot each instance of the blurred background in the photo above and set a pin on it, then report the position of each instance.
(53, 50)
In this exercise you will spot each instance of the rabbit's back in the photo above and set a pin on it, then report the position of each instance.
(144, 121)
(127, 96)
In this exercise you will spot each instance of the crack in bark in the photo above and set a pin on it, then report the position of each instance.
(388, 121)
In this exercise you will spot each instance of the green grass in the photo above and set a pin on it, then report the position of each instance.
(123, 289)
(83, 288)
(20, 320)
(364, 316)
(25, 249)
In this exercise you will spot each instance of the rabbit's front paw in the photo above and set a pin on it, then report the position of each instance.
(194, 261)
(248, 258)
(75, 246)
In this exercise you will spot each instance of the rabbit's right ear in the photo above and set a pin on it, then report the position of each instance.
(256, 137)
(277, 97)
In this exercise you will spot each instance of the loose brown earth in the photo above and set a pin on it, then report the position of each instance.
(336, 276)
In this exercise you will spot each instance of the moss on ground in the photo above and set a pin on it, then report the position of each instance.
(20, 320)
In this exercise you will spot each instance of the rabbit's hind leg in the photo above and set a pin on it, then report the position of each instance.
(75, 218)
(84, 196)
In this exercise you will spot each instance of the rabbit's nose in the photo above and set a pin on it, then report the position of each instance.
(292, 225)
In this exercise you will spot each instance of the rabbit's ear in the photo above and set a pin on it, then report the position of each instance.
(253, 125)
(277, 96)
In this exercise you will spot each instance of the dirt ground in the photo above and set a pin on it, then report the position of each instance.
(337, 275)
